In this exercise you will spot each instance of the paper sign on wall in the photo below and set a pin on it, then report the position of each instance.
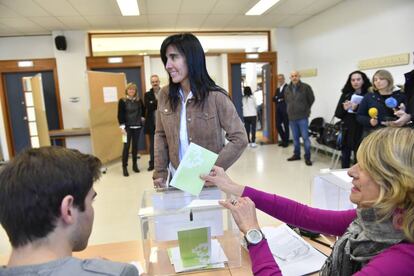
(110, 94)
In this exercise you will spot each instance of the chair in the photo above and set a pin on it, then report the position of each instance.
(315, 130)
(332, 139)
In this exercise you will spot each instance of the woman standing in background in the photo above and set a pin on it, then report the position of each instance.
(249, 115)
(353, 91)
(130, 117)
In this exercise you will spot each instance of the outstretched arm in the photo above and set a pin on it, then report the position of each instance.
(286, 210)
(300, 215)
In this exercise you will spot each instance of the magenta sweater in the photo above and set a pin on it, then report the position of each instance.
(396, 260)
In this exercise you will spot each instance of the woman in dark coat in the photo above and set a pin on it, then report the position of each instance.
(354, 89)
(130, 116)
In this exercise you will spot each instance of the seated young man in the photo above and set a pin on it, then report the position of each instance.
(46, 198)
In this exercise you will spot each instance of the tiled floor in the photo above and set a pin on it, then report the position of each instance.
(264, 167)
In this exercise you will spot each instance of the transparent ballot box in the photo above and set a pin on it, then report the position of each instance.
(169, 221)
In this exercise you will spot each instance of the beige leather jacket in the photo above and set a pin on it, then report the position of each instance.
(205, 127)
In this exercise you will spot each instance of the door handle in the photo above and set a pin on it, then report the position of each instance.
(25, 118)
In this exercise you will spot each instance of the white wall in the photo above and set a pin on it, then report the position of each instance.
(71, 67)
(26, 47)
(157, 67)
(282, 43)
(214, 68)
(335, 40)
(224, 72)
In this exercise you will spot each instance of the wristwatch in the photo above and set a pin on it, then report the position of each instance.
(254, 236)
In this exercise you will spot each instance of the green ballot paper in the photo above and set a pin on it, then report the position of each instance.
(196, 161)
(195, 246)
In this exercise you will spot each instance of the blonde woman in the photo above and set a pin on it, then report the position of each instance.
(377, 238)
(383, 94)
(130, 118)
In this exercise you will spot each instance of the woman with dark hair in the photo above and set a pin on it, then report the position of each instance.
(192, 108)
(130, 116)
(353, 91)
(249, 114)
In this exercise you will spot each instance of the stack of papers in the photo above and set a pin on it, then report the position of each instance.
(217, 258)
(293, 254)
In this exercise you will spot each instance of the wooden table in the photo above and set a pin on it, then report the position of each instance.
(71, 132)
(132, 251)
(66, 133)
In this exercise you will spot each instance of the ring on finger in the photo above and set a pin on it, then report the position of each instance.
(233, 202)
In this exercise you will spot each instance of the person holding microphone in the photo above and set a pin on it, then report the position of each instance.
(384, 98)
(353, 92)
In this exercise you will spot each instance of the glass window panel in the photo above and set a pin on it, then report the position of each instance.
(31, 116)
(27, 85)
(29, 98)
(33, 128)
(35, 141)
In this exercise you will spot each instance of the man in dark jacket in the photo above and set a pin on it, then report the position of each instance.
(150, 102)
(282, 120)
(299, 99)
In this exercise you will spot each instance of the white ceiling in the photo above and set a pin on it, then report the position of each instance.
(33, 17)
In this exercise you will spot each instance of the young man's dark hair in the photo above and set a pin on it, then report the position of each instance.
(32, 187)
(46, 197)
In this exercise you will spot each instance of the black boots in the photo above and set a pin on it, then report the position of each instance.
(125, 171)
(135, 167)
(151, 166)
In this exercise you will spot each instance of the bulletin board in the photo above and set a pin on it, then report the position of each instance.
(105, 89)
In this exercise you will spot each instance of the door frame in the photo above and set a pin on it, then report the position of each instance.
(11, 66)
(262, 57)
(93, 63)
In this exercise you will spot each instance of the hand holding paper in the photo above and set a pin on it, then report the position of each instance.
(196, 161)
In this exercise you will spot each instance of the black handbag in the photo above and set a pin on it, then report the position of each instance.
(332, 135)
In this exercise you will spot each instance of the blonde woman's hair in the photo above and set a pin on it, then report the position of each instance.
(387, 155)
(129, 86)
(386, 75)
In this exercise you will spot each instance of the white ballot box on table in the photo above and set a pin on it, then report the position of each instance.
(164, 213)
(331, 190)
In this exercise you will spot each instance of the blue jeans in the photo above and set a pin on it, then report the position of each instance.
(300, 128)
